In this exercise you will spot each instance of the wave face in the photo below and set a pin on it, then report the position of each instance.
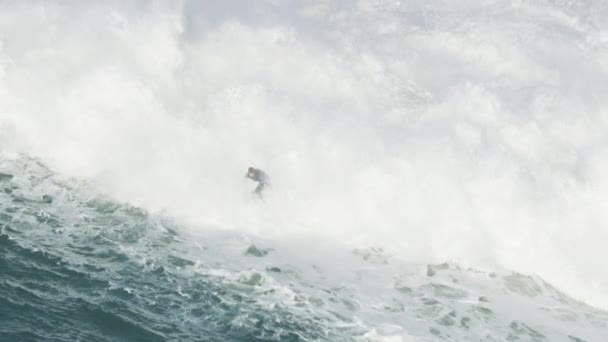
(471, 132)
(76, 266)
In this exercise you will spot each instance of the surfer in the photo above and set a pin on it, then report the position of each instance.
(259, 176)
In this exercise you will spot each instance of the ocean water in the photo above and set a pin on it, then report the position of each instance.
(79, 267)
(437, 170)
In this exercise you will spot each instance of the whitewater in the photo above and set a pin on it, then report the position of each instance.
(438, 170)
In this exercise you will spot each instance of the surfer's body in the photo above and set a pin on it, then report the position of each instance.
(259, 176)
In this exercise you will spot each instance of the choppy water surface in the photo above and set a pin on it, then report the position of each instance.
(76, 266)
(438, 170)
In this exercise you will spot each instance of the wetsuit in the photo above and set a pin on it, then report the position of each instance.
(260, 177)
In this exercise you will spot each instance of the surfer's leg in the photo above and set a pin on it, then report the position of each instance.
(259, 189)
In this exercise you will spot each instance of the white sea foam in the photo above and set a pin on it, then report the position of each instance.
(470, 131)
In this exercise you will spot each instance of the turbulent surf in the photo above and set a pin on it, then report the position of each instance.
(438, 170)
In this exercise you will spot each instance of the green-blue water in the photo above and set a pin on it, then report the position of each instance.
(77, 267)
(438, 170)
